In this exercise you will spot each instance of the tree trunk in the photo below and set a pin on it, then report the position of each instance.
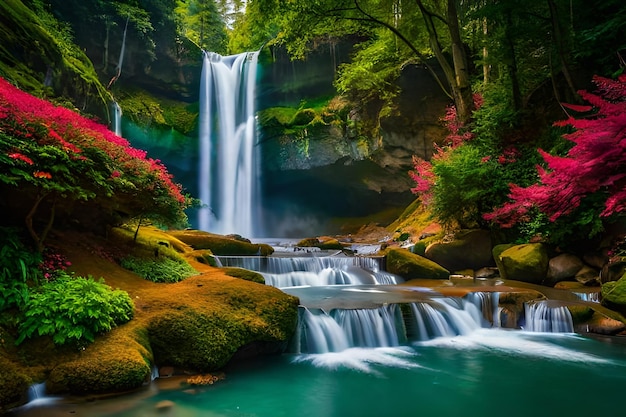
(457, 72)
(512, 65)
(465, 102)
(560, 46)
(29, 222)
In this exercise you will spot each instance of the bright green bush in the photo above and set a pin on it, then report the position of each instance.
(18, 266)
(162, 269)
(74, 310)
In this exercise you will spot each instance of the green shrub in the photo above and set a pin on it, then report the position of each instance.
(162, 269)
(18, 266)
(74, 310)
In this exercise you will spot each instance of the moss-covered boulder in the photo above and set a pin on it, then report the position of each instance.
(411, 266)
(526, 263)
(13, 384)
(324, 243)
(495, 252)
(614, 294)
(221, 245)
(470, 249)
(204, 330)
(118, 361)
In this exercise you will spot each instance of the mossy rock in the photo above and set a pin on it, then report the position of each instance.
(470, 249)
(203, 330)
(13, 384)
(206, 341)
(411, 266)
(118, 361)
(221, 245)
(526, 263)
(195, 340)
(324, 243)
(308, 242)
(614, 294)
(244, 274)
(580, 313)
(496, 252)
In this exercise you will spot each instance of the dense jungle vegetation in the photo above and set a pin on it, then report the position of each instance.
(537, 121)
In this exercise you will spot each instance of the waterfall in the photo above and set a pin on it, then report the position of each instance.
(117, 119)
(592, 297)
(36, 391)
(321, 332)
(387, 326)
(228, 172)
(540, 317)
(284, 272)
(447, 317)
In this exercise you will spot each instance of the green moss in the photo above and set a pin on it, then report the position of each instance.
(36, 45)
(145, 109)
(116, 362)
(527, 263)
(14, 383)
(303, 117)
(410, 266)
(276, 116)
(244, 274)
(614, 294)
(324, 244)
(194, 340)
(221, 245)
(580, 313)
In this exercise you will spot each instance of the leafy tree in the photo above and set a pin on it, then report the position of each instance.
(301, 23)
(591, 177)
(52, 157)
(201, 22)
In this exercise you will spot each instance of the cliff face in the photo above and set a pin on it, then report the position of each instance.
(328, 159)
(341, 159)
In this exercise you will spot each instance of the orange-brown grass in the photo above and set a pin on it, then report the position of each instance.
(215, 314)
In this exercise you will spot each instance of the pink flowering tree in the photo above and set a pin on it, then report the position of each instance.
(54, 162)
(469, 174)
(588, 184)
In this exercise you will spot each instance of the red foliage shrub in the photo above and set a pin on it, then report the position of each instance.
(595, 164)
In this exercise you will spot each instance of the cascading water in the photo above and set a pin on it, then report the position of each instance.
(541, 317)
(117, 118)
(228, 172)
(284, 272)
(322, 332)
(340, 329)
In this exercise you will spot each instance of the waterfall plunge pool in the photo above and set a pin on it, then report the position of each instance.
(489, 372)
(358, 354)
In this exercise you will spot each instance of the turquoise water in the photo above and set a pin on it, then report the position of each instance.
(490, 372)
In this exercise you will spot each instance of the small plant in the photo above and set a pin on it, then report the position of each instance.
(52, 263)
(74, 310)
(163, 269)
(18, 267)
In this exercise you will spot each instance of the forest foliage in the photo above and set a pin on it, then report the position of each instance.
(509, 68)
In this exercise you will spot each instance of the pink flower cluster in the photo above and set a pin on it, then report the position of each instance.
(51, 263)
(25, 116)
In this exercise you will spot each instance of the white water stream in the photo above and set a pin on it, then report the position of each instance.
(228, 172)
